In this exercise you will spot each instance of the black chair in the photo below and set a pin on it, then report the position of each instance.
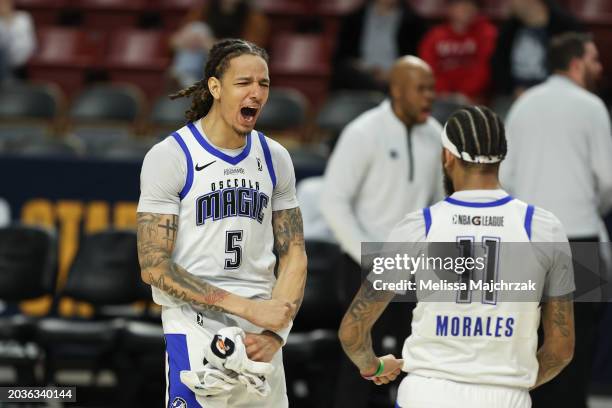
(285, 110)
(97, 140)
(344, 106)
(169, 113)
(14, 137)
(442, 109)
(47, 147)
(27, 113)
(107, 103)
(131, 149)
(308, 162)
(28, 265)
(105, 271)
(312, 351)
(29, 101)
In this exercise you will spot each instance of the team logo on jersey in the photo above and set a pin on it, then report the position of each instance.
(479, 220)
(178, 402)
(200, 319)
(222, 347)
(232, 198)
(259, 166)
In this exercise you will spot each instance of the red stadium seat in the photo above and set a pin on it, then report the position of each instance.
(496, 9)
(44, 12)
(111, 13)
(431, 9)
(592, 11)
(332, 12)
(139, 57)
(173, 12)
(301, 61)
(285, 15)
(65, 55)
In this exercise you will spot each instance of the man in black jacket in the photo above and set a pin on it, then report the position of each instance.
(519, 61)
(370, 40)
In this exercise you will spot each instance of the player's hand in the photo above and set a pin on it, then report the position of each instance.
(271, 314)
(393, 368)
(262, 347)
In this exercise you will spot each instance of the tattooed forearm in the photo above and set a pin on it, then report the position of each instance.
(288, 230)
(355, 329)
(290, 247)
(558, 347)
(181, 285)
(560, 311)
(550, 365)
(156, 241)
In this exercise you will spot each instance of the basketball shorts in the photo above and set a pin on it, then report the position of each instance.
(424, 392)
(187, 332)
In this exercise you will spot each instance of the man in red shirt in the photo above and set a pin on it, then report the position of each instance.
(459, 50)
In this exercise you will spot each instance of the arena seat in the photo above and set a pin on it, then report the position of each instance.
(301, 61)
(430, 9)
(47, 147)
(285, 15)
(443, 108)
(308, 162)
(105, 271)
(332, 11)
(313, 350)
(95, 141)
(172, 12)
(597, 12)
(139, 57)
(66, 55)
(27, 112)
(104, 14)
(285, 110)
(344, 106)
(44, 12)
(496, 9)
(28, 266)
(27, 101)
(130, 149)
(169, 114)
(107, 103)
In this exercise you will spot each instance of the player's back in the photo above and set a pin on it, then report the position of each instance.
(468, 329)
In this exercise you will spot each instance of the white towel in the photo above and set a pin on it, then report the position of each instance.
(228, 367)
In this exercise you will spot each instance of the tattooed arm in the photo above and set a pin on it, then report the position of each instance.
(156, 241)
(558, 347)
(355, 330)
(289, 288)
(291, 250)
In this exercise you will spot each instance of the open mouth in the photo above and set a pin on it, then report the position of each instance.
(248, 113)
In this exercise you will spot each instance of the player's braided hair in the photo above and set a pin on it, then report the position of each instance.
(218, 61)
(477, 131)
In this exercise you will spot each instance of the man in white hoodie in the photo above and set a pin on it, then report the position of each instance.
(385, 165)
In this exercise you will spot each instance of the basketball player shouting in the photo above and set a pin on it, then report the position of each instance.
(216, 199)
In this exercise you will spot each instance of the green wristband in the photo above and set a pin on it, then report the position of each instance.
(381, 368)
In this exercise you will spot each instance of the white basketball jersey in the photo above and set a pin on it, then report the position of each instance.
(479, 336)
(225, 223)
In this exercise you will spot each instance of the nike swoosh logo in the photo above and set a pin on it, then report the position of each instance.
(198, 168)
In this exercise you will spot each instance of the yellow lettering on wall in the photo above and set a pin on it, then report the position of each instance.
(38, 212)
(96, 217)
(125, 215)
(69, 214)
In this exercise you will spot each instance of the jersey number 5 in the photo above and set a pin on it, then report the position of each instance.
(233, 239)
